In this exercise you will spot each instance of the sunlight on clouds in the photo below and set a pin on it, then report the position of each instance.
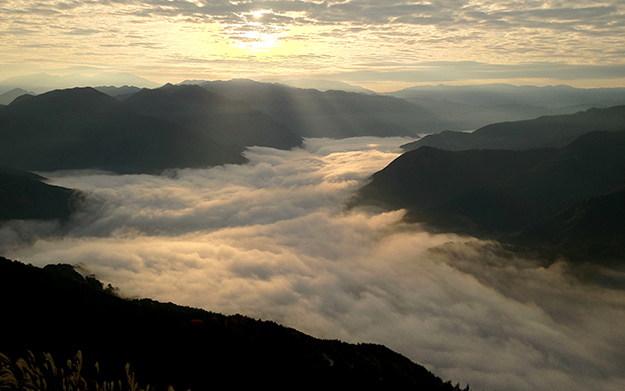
(250, 38)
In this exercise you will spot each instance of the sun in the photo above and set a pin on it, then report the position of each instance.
(255, 36)
(257, 41)
(259, 13)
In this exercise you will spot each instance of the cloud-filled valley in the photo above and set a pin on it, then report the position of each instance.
(272, 239)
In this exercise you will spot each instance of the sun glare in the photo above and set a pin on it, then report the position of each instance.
(259, 13)
(256, 41)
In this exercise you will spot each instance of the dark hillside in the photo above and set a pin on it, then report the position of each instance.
(591, 166)
(83, 128)
(591, 229)
(232, 123)
(24, 195)
(429, 176)
(57, 310)
(567, 200)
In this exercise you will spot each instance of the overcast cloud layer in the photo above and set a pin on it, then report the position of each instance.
(272, 240)
(390, 40)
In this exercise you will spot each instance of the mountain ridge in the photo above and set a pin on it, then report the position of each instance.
(332, 114)
(230, 123)
(493, 194)
(83, 128)
(543, 132)
(187, 348)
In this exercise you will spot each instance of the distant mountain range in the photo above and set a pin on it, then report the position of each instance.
(230, 123)
(10, 96)
(326, 85)
(500, 193)
(322, 108)
(471, 107)
(42, 82)
(56, 310)
(506, 94)
(466, 117)
(334, 114)
(544, 132)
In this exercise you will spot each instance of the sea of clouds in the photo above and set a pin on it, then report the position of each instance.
(273, 240)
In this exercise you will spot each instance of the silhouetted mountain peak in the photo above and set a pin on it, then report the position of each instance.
(170, 94)
(21, 98)
(11, 95)
(75, 100)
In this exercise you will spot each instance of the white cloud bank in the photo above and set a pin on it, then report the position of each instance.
(272, 240)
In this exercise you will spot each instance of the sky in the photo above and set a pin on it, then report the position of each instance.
(273, 240)
(383, 45)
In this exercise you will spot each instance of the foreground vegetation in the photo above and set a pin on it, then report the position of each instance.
(58, 311)
(44, 375)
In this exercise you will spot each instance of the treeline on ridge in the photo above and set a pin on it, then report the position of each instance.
(56, 310)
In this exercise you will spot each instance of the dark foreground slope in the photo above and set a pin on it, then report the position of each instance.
(56, 310)
(230, 123)
(24, 195)
(82, 128)
(498, 193)
(544, 132)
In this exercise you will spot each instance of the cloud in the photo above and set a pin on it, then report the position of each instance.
(284, 37)
(83, 32)
(272, 240)
(469, 70)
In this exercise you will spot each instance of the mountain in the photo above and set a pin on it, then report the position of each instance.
(428, 176)
(544, 132)
(9, 96)
(43, 82)
(591, 166)
(82, 128)
(230, 123)
(590, 229)
(333, 114)
(464, 116)
(326, 85)
(118, 91)
(498, 193)
(58, 311)
(24, 195)
(505, 94)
